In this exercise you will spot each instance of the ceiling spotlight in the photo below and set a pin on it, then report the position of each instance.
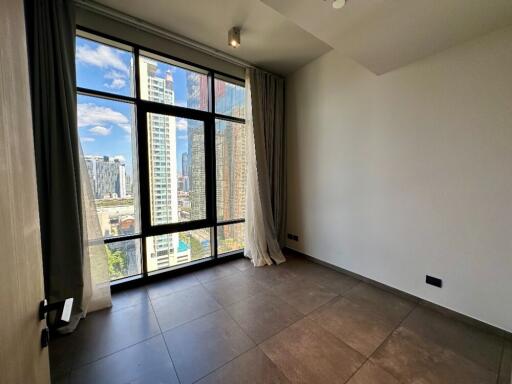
(234, 37)
(338, 4)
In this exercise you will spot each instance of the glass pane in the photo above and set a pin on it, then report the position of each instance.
(176, 169)
(230, 151)
(177, 248)
(103, 67)
(124, 259)
(107, 135)
(230, 237)
(229, 98)
(162, 82)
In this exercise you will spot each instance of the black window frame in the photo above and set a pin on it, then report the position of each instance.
(142, 108)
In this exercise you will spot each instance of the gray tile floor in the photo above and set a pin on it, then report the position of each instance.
(294, 323)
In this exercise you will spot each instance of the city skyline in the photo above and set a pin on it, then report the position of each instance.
(176, 156)
(106, 125)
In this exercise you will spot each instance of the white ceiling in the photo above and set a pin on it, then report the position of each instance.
(269, 40)
(383, 35)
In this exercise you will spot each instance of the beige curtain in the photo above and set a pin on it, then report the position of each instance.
(96, 276)
(96, 280)
(265, 167)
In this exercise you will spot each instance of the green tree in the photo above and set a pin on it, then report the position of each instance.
(117, 267)
(197, 250)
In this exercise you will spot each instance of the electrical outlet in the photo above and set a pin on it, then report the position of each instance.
(295, 237)
(291, 236)
(436, 282)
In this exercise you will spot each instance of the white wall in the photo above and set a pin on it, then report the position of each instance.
(409, 173)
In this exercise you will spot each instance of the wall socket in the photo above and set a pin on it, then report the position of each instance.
(293, 237)
(436, 282)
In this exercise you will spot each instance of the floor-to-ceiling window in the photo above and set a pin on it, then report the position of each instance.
(164, 144)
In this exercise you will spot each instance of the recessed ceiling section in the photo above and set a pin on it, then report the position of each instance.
(383, 35)
(269, 40)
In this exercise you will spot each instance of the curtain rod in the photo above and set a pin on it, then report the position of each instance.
(162, 32)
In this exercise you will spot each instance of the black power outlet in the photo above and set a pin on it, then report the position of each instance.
(436, 282)
(291, 236)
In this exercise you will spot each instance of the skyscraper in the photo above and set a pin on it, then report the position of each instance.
(185, 172)
(197, 91)
(184, 164)
(162, 163)
(230, 148)
(107, 175)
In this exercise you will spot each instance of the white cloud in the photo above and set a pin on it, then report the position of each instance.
(127, 127)
(118, 80)
(182, 137)
(87, 139)
(121, 158)
(92, 114)
(116, 84)
(102, 57)
(100, 131)
(181, 124)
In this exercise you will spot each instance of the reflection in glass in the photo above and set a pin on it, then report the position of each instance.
(229, 98)
(177, 248)
(107, 136)
(230, 152)
(230, 237)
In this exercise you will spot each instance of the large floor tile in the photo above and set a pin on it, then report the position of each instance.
(337, 282)
(105, 332)
(328, 278)
(216, 272)
(304, 295)
(475, 344)
(61, 353)
(413, 359)
(506, 364)
(172, 285)
(63, 379)
(129, 297)
(146, 362)
(270, 276)
(233, 288)
(263, 316)
(253, 367)
(203, 345)
(241, 264)
(395, 307)
(361, 326)
(370, 373)
(306, 353)
(183, 306)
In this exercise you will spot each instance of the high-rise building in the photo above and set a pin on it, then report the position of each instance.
(107, 175)
(197, 91)
(184, 164)
(231, 170)
(162, 163)
(184, 172)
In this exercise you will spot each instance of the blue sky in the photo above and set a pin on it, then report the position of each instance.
(107, 127)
